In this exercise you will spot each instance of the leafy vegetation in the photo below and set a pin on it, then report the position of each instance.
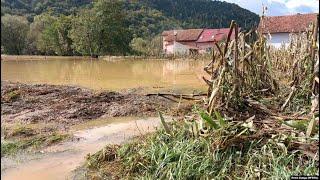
(19, 137)
(105, 27)
(188, 155)
(31, 8)
(205, 13)
(14, 31)
(149, 47)
(13, 146)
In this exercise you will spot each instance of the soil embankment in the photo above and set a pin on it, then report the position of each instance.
(68, 105)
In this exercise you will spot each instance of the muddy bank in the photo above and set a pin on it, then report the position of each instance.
(60, 160)
(68, 105)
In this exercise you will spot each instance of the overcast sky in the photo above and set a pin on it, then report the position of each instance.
(279, 7)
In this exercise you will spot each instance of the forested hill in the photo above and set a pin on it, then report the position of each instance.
(183, 13)
(204, 13)
(113, 27)
(30, 8)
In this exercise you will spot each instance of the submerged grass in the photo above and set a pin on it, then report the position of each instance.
(11, 147)
(182, 155)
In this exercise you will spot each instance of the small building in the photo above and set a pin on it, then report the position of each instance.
(208, 37)
(278, 28)
(181, 41)
(192, 41)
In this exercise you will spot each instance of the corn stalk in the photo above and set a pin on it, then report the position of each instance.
(238, 69)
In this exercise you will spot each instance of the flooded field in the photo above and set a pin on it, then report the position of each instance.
(151, 75)
(93, 119)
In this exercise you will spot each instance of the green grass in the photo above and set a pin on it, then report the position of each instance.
(13, 95)
(16, 145)
(19, 131)
(182, 154)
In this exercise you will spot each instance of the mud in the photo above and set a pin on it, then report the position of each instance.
(60, 161)
(70, 105)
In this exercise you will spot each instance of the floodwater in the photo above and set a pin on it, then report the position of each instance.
(59, 161)
(151, 75)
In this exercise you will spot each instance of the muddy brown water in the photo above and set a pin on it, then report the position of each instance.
(151, 75)
(59, 161)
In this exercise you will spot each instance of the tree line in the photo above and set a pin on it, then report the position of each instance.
(103, 29)
(107, 27)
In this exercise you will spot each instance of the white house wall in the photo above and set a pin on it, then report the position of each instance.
(277, 39)
(179, 48)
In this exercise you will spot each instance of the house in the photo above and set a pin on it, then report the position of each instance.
(191, 41)
(180, 41)
(278, 28)
(208, 37)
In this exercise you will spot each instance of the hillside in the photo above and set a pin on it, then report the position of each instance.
(165, 13)
(204, 13)
(99, 27)
(31, 8)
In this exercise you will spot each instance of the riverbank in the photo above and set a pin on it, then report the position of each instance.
(41, 57)
(30, 110)
(69, 105)
(106, 58)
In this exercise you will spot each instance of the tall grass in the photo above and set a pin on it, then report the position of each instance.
(183, 155)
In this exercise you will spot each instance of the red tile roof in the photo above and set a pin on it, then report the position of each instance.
(286, 24)
(197, 35)
(182, 35)
(210, 35)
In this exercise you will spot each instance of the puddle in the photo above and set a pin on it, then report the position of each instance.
(58, 161)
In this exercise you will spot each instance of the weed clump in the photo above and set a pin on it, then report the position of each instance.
(232, 151)
(13, 146)
(11, 95)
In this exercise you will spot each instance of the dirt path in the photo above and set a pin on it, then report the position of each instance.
(58, 161)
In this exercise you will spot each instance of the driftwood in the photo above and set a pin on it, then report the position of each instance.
(180, 96)
(275, 115)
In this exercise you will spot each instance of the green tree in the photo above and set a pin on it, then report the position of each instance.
(14, 30)
(114, 36)
(43, 33)
(54, 37)
(156, 46)
(139, 46)
(150, 47)
(34, 44)
(63, 26)
(101, 30)
(84, 33)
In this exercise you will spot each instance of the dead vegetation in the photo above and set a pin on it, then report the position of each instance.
(255, 79)
(66, 105)
(261, 121)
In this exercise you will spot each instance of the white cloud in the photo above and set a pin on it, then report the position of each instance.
(279, 7)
